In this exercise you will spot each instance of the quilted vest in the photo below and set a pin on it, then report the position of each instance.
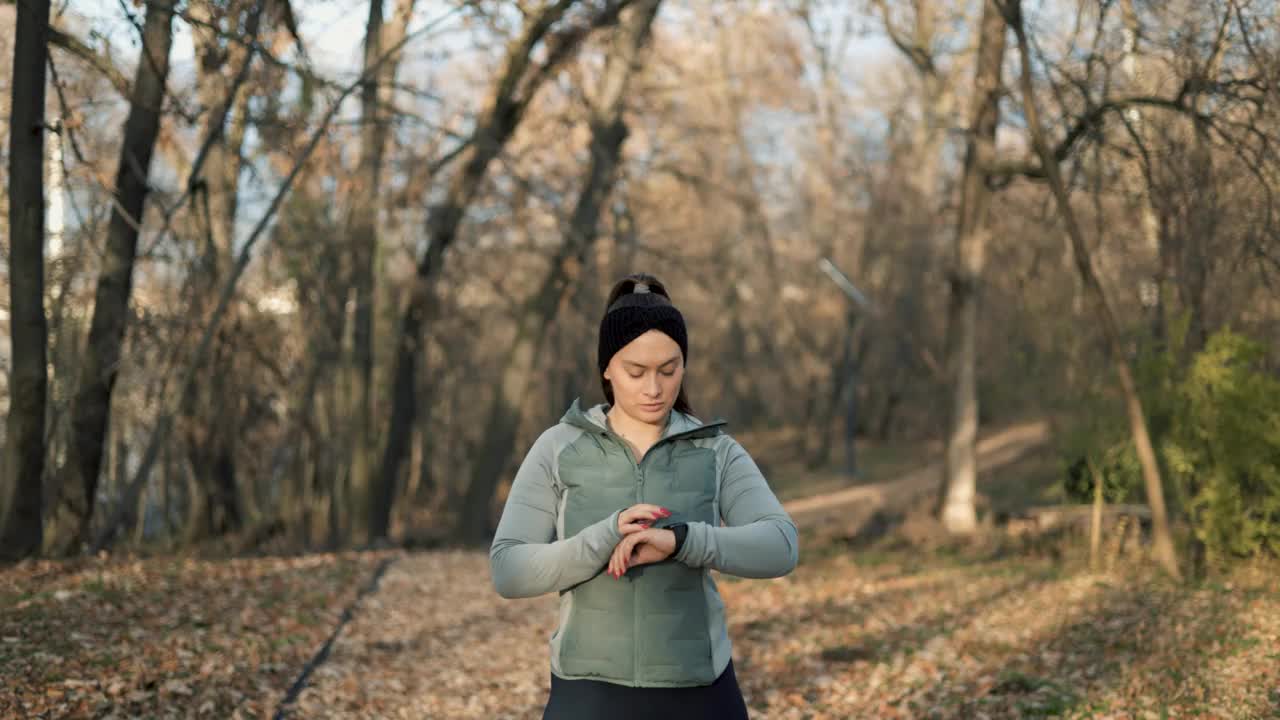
(651, 627)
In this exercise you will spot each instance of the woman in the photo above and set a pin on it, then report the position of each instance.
(618, 508)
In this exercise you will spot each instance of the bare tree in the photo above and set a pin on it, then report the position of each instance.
(1134, 117)
(960, 486)
(512, 91)
(753, 157)
(211, 421)
(363, 234)
(608, 132)
(21, 525)
(917, 44)
(1178, 198)
(186, 382)
(91, 408)
(1163, 539)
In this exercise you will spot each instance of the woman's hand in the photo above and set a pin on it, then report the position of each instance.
(641, 548)
(640, 517)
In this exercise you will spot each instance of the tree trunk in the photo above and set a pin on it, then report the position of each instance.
(750, 202)
(364, 249)
(223, 66)
(211, 441)
(92, 404)
(842, 372)
(852, 412)
(219, 95)
(1161, 535)
(1196, 248)
(957, 511)
(22, 482)
(1155, 290)
(1095, 520)
(55, 213)
(608, 132)
(935, 96)
(186, 384)
(513, 89)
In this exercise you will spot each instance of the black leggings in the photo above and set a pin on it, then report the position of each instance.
(596, 700)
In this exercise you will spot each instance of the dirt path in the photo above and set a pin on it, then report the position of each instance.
(846, 507)
(907, 637)
(445, 645)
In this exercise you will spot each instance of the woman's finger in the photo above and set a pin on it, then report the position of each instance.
(633, 541)
(634, 552)
(637, 526)
(649, 510)
(617, 559)
(615, 562)
(620, 556)
(642, 512)
(624, 551)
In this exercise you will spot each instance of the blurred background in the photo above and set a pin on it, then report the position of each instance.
(314, 273)
(986, 287)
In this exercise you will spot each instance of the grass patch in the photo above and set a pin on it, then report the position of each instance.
(1044, 697)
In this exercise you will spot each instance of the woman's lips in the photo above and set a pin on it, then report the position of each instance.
(653, 406)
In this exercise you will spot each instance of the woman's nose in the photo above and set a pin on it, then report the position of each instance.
(652, 387)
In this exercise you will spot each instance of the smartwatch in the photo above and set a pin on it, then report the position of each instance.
(682, 531)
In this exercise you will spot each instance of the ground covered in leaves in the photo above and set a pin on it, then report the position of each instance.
(166, 637)
(850, 634)
(847, 637)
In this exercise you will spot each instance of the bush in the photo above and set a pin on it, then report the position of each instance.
(1222, 450)
(1215, 422)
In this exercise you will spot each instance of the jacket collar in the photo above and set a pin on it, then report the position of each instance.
(592, 419)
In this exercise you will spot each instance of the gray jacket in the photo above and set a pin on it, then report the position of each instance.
(662, 624)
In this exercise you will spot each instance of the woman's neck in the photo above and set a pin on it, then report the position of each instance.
(636, 431)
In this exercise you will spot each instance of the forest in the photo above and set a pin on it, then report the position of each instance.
(986, 287)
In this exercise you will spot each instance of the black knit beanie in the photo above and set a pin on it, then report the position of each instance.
(634, 314)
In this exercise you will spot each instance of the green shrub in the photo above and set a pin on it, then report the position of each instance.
(1215, 422)
(1118, 466)
(1222, 450)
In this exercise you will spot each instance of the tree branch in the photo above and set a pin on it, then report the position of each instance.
(76, 47)
(186, 385)
(1032, 168)
(919, 56)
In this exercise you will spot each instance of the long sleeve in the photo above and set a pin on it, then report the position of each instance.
(759, 541)
(525, 559)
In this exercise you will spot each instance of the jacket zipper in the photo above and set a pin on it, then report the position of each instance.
(637, 467)
(635, 595)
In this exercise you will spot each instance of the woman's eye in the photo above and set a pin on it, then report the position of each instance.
(636, 376)
(669, 373)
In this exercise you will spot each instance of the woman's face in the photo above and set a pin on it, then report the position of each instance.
(646, 375)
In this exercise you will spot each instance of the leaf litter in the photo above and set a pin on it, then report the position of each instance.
(844, 636)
